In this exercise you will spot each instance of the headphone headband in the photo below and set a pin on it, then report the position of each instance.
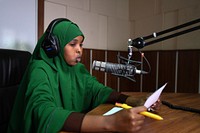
(53, 23)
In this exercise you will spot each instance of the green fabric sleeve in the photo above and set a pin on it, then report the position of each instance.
(42, 107)
(100, 93)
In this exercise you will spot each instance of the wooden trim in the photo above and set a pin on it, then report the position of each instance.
(167, 70)
(86, 58)
(188, 71)
(99, 55)
(40, 18)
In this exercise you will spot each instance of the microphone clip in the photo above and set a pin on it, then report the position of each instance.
(138, 42)
(130, 66)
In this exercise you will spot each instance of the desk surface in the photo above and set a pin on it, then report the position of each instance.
(174, 120)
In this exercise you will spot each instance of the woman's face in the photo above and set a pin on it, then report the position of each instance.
(73, 51)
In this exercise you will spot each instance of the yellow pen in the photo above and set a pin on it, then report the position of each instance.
(145, 113)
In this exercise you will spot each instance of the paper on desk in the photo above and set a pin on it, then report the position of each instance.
(150, 101)
(154, 97)
(113, 110)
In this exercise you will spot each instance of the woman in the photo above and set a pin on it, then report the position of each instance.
(57, 91)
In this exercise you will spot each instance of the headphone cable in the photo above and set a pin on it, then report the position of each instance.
(180, 107)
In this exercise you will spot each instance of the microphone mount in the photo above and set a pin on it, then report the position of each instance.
(128, 62)
(121, 69)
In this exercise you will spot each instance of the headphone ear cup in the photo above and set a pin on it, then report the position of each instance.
(51, 42)
(51, 46)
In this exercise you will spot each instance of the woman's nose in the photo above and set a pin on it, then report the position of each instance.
(78, 49)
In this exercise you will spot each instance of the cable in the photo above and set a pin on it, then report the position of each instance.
(145, 60)
(180, 107)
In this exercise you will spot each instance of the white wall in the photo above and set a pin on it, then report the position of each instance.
(105, 23)
(18, 24)
(108, 24)
(148, 16)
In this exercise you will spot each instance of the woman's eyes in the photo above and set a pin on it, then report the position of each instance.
(74, 44)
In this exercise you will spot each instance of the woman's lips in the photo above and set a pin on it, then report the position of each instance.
(78, 59)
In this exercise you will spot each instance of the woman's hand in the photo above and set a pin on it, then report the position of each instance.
(136, 101)
(139, 101)
(127, 120)
(155, 106)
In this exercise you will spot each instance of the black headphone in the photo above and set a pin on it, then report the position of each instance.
(50, 43)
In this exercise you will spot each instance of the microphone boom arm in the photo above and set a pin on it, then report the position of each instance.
(140, 42)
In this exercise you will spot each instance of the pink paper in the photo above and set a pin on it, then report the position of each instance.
(154, 97)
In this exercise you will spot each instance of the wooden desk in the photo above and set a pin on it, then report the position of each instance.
(175, 121)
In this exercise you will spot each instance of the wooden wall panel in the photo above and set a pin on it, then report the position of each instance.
(188, 71)
(187, 79)
(149, 80)
(99, 55)
(167, 70)
(112, 80)
(86, 58)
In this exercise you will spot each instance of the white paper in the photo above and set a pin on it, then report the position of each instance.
(154, 97)
(113, 110)
(150, 101)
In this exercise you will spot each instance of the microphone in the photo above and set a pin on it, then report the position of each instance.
(117, 69)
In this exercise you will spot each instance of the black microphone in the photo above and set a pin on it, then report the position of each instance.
(117, 69)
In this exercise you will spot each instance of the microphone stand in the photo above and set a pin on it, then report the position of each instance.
(141, 42)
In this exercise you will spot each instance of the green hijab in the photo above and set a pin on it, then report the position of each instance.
(51, 89)
(64, 31)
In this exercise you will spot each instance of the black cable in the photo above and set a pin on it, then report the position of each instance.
(180, 107)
